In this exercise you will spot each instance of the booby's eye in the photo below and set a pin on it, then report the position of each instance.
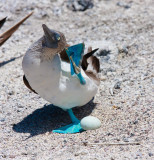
(57, 37)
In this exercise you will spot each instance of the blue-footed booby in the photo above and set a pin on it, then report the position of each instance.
(61, 74)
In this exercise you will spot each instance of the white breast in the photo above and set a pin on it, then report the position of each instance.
(52, 80)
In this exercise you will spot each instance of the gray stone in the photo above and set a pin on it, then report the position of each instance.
(80, 5)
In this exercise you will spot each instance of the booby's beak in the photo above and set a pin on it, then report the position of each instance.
(51, 37)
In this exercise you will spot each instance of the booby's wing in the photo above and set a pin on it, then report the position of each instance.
(27, 84)
(76, 53)
(91, 65)
(6, 35)
(2, 21)
(85, 63)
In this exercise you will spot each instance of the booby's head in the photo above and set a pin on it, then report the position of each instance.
(53, 39)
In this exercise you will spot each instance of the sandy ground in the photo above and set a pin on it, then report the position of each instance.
(124, 32)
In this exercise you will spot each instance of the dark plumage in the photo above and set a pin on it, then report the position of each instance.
(2, 21)
(27, 84)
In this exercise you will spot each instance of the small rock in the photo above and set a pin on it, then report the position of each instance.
(109, 134)
(80, 5)
(40, 14)
(103, 78)
(77, 154)
(57, 11)
(152, 80)
(135, 122)
(2, 119)
(125, 139)
(117, 85)
(83, 153)
(65, 141)
(115, 107)
(11, 93)
(109, 73)
(132, 134)
(103, 52)
(122, 4)
(150, 154)
(12, 156)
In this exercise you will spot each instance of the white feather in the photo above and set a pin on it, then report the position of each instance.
(52, 80)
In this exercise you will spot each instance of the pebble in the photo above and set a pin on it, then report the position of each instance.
(109, 73)
(103, 78)
(90, 123)
(150, 154)
(152, 80)
(125, 140)
(122, 4)
(80, 5)
(117, 85)
(57, 11)
(40, 14)
(2, 119)
(103, 52)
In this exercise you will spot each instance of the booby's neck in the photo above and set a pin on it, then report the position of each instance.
(42, 52)
(48, 54)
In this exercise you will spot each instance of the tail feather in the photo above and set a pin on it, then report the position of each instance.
(89, 60)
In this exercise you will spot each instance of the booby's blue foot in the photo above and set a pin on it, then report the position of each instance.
(74, 127)
(71, 128)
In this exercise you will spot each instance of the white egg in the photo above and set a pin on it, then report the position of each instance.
(90, 123)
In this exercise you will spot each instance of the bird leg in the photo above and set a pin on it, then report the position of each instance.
(72, 116)
(74, 127)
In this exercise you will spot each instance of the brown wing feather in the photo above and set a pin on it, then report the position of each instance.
(27, 84)
(94, 60)
(5, 36)
(2, 21)
(95, 63)
(90, 60)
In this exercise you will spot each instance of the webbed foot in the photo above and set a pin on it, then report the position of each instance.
(71, 128)
(74, 127)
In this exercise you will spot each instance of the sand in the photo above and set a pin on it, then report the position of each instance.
(124, 32)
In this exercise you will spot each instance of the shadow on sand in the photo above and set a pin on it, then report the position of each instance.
(48, 118)
(8, 61)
